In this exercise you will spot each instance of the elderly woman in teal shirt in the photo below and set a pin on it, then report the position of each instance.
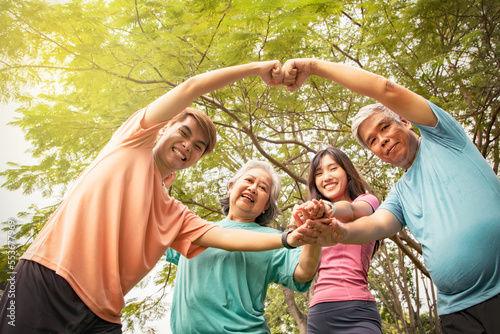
(224, 292)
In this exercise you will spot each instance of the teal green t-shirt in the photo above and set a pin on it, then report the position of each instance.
(450, 200)
(223, 292)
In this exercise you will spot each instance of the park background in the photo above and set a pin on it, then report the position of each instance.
(72, 71)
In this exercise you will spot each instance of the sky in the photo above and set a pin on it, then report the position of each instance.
(13, 149)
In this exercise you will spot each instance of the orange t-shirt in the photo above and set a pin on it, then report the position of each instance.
(116, 222)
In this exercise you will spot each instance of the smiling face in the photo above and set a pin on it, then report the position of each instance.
(389, 140)
(180, 147)
(331, 179)
(249, 195)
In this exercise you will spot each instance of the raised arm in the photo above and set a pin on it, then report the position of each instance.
(402, 101)
(180, 97)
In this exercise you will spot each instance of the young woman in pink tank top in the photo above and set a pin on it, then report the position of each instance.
(342, 302)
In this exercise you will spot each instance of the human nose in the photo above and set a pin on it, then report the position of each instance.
(383, 141)
(327, 175)
(252, 188)
(187, 145)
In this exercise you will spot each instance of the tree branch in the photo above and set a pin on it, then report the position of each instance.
(412, 257)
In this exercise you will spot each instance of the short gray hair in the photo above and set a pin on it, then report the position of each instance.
(270, 214)
(365, 113)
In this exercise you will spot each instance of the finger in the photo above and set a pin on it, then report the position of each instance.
(298, 218)
(325, 221)
(306, 214)
(290, 76)
(277, 74)
(290, 72)
(306, 232)
(318, 225)
(299, 80)
(304, 239)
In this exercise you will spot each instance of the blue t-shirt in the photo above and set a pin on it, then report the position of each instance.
(450, 200)
(224, 292)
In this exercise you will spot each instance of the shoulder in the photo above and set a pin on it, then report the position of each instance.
(372, 200)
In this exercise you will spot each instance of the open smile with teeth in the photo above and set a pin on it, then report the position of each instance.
(330, 186)
(179, 154)
(248, 197)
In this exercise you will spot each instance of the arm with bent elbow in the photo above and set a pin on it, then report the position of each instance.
(401, 100)
(309, 261)
(180, 97)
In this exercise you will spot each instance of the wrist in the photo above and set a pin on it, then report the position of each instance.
(332, 206)
(314, 66)
(284, 239)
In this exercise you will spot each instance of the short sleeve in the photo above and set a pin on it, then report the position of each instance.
(393, 204)
(284, 263)
(172, 256)
(370, 199)
(447, 132)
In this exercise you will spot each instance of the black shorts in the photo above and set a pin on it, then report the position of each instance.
(353, 317)
(37, 300)
(477, 319)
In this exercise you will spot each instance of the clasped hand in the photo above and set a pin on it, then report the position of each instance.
(315, 220)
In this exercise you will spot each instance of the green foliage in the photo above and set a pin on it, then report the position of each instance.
(140, 311)
(279, 318)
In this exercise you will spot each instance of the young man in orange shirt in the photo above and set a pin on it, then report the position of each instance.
(118, 219)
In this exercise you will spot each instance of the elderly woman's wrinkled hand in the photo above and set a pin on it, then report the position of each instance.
(303, 235)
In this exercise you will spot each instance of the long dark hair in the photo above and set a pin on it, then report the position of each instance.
(356, 183)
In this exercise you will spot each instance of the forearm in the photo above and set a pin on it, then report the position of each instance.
(309, 261)
(210, 81)
(399, 99)
(347, 211)
(181, 97)
(352, 78)
(361, 232)
(370, 228)
(380, 225)
(239, 240)
(344, 211)
(244, 240)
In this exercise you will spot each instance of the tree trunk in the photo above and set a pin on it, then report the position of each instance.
(299, 317)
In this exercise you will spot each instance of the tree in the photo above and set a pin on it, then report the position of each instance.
(97, 62)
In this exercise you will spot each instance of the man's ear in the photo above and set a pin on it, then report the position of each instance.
(407, 124)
